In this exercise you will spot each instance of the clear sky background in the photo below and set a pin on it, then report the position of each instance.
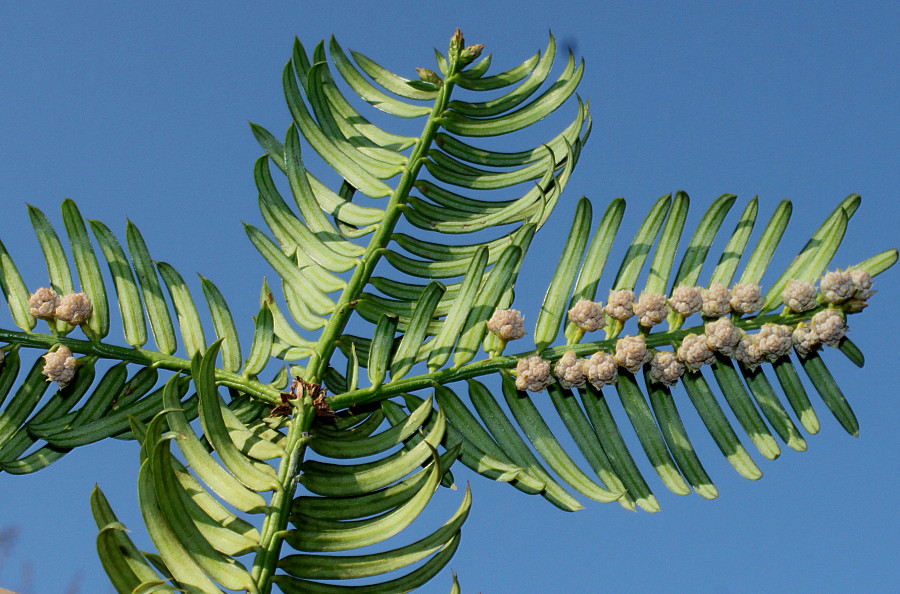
(140, 110)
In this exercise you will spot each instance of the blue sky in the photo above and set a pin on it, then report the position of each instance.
(140, 111)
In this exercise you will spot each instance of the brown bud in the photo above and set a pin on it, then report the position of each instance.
(471, 53)
(429, 76)
(855, 305)
(456, 43)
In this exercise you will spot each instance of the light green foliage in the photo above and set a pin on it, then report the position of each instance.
(277, 484)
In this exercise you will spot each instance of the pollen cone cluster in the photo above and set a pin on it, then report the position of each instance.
(73, 308)
(728, 330)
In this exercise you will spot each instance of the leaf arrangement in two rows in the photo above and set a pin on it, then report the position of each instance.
(444, 264)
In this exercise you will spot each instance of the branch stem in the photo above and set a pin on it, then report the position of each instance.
(139, 356)
(298, 437)
(494, 364)
(276, 519)
(343, 310)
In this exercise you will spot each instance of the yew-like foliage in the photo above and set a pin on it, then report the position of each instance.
(391, 320)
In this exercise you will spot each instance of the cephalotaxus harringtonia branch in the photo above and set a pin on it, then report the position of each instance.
(309, 475)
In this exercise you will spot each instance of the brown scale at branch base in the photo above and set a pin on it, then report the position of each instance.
(299, 387)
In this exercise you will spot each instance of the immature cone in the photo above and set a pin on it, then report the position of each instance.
(42, 303)
(862, 282)
(804, 340)
(59, 366)
(774, 341)
(837, 286)
(723, 336)
(828, 327)
(748, 351)
(507, 324)
(74, 308)
(620, 304)
(799, 296)
(631, 353)
(570, 370)
(533, 374)
(686, 300)
(602, 369)
(588, 315)
(746, 298)
(651, 309)
(665, 368)
(694, 352)
(716, 301)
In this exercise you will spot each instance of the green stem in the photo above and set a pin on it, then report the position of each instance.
(276, 519)
(140, 357)
(328, 340)
(266, 562)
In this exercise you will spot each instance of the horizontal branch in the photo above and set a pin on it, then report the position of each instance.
(494, 364)
(140, 357)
